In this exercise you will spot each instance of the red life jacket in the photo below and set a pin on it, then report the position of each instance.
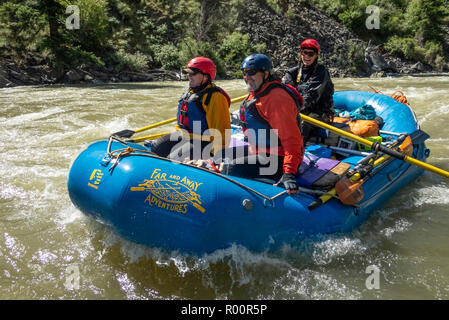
(250, 117)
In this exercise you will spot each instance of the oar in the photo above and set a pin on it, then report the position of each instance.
(377, 147)
(350, 189)
(150, 137)
(127, 133)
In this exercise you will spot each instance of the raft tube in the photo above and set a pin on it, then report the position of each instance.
(173, 206)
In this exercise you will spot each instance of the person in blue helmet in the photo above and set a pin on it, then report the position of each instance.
(270, 108)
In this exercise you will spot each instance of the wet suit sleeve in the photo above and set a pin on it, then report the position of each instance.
(318, 83)
(288, 79)
(279, 109)
(290, 76)
(218, 117)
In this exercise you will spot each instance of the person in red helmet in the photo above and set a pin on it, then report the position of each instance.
(313, 81)
(202, 119)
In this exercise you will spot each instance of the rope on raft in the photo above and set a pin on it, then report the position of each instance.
(137, 152)
(397, 95)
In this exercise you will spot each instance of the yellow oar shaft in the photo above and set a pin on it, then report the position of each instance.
(336, 130)
(382, 148)
(154, 125)
(158, 124)
(150, 137)
(427, 166)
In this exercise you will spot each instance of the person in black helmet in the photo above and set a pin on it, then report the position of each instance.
(313, 81)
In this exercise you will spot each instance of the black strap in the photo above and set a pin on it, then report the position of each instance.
(197, 97)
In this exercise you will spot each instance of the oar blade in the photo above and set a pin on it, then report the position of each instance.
(349, 192)
(124, 133)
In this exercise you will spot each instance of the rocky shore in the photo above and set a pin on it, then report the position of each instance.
(35, 70)
(342, 52)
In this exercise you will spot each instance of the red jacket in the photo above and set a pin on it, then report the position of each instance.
(280, 110)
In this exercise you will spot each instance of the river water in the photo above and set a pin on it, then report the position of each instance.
(50, 250)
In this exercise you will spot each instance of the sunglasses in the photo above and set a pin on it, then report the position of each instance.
(250, 72)
(308, 53)
(192, 71)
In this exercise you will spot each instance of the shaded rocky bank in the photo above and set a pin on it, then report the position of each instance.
(13, 74)
(342, 51)
(36, 71)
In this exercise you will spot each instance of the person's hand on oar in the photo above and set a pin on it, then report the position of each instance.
(288, 181)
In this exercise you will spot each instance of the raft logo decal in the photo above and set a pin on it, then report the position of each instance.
(96, 177)
(171, 193)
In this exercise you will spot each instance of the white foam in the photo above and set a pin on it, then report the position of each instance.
(29, 117)
(310, 284)
(327, 251)
(400, 225)
(433, 195)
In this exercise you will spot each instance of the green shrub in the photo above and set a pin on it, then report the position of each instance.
(190, 48)
(356, 56)
(406, 47)
(132, 61)
(234, 48)
(20, 28)
(168, 57)
(75, 56)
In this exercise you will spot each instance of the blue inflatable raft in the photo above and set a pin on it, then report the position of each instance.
(174, 206)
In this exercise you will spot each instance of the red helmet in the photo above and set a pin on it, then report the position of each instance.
(312, 44)
(205, 65)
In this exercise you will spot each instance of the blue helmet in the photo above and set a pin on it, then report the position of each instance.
(257, 61)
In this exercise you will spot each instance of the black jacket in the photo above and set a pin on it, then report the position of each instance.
(315, 86)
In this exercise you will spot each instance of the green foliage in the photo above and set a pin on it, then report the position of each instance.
(21, 27)
(76, 56)
(409, 28)
(132, 61)
(134, 35)
(405, 47)
(352, 17)
(169, 57)
(92, 34)
(356, 56)
(235, 47)
(425, 18)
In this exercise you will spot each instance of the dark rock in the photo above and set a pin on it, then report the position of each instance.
(99, 75)
(74, 76)
(421, 67)
(379, 74)
(374, 58)
(4, 82)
